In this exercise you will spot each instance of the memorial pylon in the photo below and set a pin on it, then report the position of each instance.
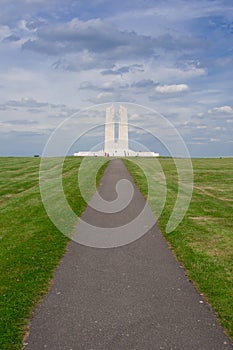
(119, 147)
(109, 141)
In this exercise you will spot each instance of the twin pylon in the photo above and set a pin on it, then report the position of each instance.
(116, 144)
(119, 146)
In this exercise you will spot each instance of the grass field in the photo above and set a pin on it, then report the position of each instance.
(203, 242)
(30, 245)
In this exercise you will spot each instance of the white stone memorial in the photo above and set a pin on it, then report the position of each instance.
(119, 147)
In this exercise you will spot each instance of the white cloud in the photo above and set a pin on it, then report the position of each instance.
(104, 95)
(4, 32)
(171, 10)
(95, 36)
(219, 128)
(183, 73)
(167, 89)
(201, 127)
(222, 109)
(214, 140)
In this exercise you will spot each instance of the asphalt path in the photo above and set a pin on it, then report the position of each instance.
(132, 297)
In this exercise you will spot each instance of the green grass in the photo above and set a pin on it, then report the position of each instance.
(30, 245)
(203, 242)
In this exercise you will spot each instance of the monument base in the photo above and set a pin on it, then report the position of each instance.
(116, 153)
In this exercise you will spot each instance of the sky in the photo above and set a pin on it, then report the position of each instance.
(59, 57)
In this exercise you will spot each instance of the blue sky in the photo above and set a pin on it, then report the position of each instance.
(58, 57)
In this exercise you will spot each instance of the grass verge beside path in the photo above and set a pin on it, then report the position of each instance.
(30, 245)
(203, 242)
